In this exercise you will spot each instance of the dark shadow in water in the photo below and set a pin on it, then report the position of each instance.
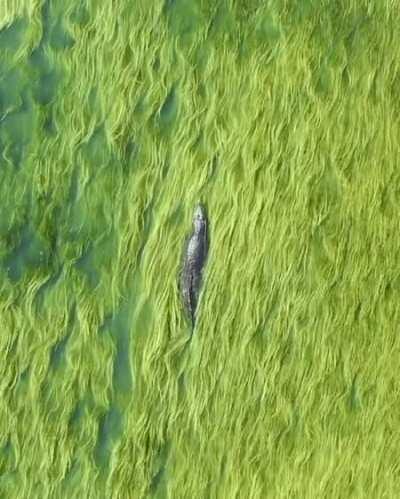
(76, 416)
(168, 4)
(182, 382)
(118, 326)
(96, 150)
(162, 121)
(80, 15)
(95, 260)
(57, 355)
(157, 484)
(7, 448)
(223, 22)
(71, 475)
(49, 123)
(12, 35)
(7, 457)
(24, 376)
(130, 156)
(60, 39)
(23, 383)
(17, 129)
(107, 324)
(85, 265)
(184, 18)
(110, 427)
(47, 286)
(27, 252)
(54, 33)
(354, 401)
(58, 352)
(15, 153)
(11, 85)
(46, 75)
(148, 215)
(74, 425)
(47, 86)
(122, 375)
(46, 21)
(53, 263)
(169, 108)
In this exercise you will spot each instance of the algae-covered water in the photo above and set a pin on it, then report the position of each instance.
(282, 118)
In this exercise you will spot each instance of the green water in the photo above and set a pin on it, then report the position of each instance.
(116, 118)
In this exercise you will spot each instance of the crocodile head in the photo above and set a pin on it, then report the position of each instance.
(199, 218)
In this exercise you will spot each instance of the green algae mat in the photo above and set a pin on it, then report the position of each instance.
(116, 119)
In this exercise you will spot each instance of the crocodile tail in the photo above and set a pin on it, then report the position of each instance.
(192, 303)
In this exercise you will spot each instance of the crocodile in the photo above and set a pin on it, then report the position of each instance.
(194, 259)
